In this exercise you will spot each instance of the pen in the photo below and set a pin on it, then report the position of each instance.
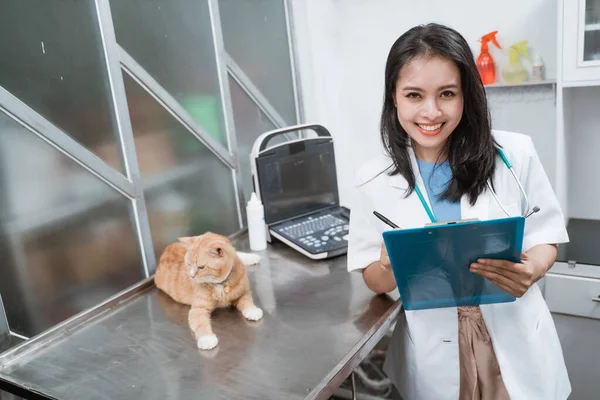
(384, 219)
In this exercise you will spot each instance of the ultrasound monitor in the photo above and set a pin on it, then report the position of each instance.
(297, 184)
(297, 180)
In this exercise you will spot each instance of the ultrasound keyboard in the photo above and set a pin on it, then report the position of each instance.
(317, 233)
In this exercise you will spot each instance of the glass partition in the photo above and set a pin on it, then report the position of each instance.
(52, 59)
(255, 36)
(187, 189)
(66, 237)
(173, 42)
(250, 123)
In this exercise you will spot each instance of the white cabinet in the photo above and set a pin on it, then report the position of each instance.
(573, 295)
(579, 183)
(580, 41)
(573, 285)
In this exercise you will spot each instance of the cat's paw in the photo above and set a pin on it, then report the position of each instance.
(207, 342)
(253, 313)
(248, 258)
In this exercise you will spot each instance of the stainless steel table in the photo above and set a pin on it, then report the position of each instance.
(320, 322)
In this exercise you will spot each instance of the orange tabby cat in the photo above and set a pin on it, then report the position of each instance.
(207, 273)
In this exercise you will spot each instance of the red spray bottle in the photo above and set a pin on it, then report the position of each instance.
(485, 62)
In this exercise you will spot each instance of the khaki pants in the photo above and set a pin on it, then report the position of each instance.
(480, 377)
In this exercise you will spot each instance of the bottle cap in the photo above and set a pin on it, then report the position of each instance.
(254, 201)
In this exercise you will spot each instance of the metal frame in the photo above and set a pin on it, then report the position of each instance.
(143, 78)
(17, 335)
(16, 242)
(129, 183)
(254, 93)
(359, 352)
(121, 109)
(219, 46)
(296, 78)
(45, 130)
(22, 391)
(4, 327)
(57, 331)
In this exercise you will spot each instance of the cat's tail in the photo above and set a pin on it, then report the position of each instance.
(248, 258)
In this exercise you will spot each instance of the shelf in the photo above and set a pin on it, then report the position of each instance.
(547, 82)
(592, 27)
(575, 84)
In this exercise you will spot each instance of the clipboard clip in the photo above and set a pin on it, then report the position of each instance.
(394, 226)
(460, 221)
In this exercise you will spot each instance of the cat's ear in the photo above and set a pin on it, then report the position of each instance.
(187, 240)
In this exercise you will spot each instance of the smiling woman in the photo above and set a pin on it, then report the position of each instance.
(427, 75)
(430, 103)
(441, 156)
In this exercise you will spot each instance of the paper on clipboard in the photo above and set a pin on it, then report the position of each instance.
(431, 264)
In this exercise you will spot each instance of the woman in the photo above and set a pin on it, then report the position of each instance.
(435, 127)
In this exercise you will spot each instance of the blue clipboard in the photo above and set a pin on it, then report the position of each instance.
(431, 264)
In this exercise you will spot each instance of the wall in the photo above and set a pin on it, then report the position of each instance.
(342, 47)
(530, 110)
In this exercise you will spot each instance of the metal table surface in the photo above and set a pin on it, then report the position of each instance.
(320, 321)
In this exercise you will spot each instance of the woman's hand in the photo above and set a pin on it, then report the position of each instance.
(517, 278)
(378, 275)
(384, 259)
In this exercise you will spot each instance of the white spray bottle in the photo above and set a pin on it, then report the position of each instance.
(255, 216)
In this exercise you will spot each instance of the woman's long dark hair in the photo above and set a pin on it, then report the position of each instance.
(471, 147)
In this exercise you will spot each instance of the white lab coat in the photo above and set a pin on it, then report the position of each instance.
(423, 358)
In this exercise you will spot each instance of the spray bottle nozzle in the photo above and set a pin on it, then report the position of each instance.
(515, 49)
(489, 37)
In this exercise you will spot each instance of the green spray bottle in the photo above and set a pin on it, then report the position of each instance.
(514, 72)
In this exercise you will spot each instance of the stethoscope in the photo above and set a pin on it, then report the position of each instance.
(510, 168)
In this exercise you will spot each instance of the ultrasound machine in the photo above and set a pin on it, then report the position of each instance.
(297, 183)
